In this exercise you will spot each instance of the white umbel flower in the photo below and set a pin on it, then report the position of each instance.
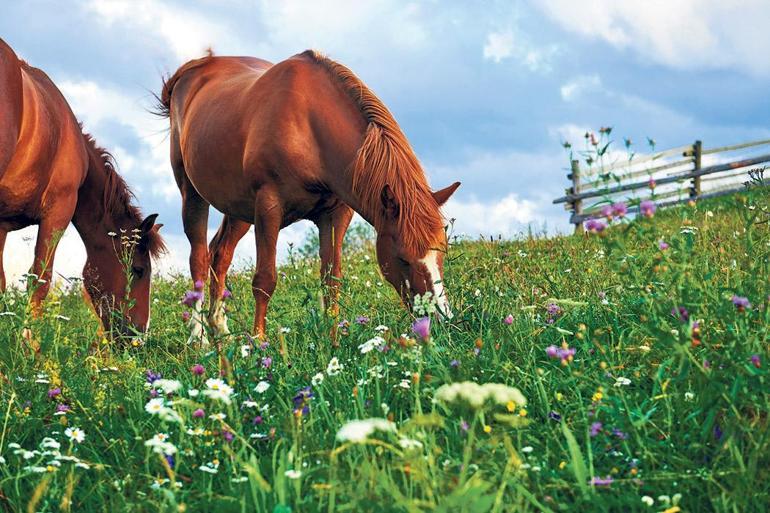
(357, 431)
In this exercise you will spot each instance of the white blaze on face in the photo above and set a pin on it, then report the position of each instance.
(442, 300)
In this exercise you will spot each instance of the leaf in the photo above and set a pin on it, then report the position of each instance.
(577, 463)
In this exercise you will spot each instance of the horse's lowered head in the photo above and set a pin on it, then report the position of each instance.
(117, 276)
(413, 269)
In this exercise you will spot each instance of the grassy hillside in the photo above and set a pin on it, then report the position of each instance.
(662, 406)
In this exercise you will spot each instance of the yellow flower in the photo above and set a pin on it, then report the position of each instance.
(487, 428)
(562, 465)
(559, 396)
(511, 406)
(522, 412)
(674, 509)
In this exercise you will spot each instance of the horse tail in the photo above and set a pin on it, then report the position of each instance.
(163, 100)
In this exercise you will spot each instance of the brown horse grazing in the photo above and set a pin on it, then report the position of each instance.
(303, 139)
(52, 173)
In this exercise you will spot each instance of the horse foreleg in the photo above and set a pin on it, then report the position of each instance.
(195, 215)
(221, 251)
(267, 224)
(331, 232)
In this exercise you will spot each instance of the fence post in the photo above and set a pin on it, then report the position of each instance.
(577, 205)
(697, 151)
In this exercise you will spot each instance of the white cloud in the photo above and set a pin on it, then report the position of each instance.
(506, 216)
(578, 86)
(684, 34)
(20, 253)
(188, 34)
(506, 44)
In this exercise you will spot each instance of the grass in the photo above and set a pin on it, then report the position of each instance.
(655, 411)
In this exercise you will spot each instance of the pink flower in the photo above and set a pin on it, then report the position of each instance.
(647, 208)
(421, 327)
(199, 413)
(595, 225)
(198, 369)
(606, 211)
(619, 209)
(508, 320)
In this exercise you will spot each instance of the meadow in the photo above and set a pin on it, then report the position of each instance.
(622, 370)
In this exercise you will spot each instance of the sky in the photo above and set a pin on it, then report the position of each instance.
(486, 91)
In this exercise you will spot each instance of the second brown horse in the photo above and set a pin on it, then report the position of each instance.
(269, 145)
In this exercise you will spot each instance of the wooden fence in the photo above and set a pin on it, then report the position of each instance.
(669, 177)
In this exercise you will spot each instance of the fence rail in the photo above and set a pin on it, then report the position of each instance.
(672, 177)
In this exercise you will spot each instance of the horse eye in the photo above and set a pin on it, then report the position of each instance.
(138, 271)
(403, 262)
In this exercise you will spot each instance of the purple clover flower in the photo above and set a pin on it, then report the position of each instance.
(54, 392)
(198, 369)
(199, 413)
(680, 313)
(421, 328)
(619, 209)
(596, 428)
(267, 362)
(564, 353)
(553, 311)
(454, 363)
(191, 297)
(226, 294)
(663, 245)
(508, 319)
(755, 361)
(741, 303)
(619, 434)
(606, 212)
(152, 377)
(601, 481)
(62, 408)
(362, 320)
(647, 208)
(595, 225)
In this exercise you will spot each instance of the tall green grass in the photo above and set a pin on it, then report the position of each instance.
(663, 405)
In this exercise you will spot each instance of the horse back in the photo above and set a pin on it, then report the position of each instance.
(11, 101)
(48, 161)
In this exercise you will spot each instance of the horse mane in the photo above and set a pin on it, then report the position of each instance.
(387, 158)
(117, 199)
(163, 102)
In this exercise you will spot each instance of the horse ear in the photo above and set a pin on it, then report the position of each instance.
(444, 194)
(389, 202)
(148, 223)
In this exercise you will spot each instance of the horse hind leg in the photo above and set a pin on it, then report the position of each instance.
(221, 250)
(3, 235)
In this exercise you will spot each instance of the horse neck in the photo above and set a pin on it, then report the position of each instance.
(91, 219)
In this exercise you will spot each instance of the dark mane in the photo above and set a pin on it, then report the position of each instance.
(163, 101)
(117, 200)
(387, 158)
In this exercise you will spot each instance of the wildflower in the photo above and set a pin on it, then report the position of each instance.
(755, 361)
(606, 211)
(210, 468)
(508, 320)
(619, 434)
(54, 392)
(218, 416)
(619, 209)
(267, 362)
(454, 363)
(362, 320)
(599, 481)
(198, 369)
(293, 474)
(317, 379)
(649, 501)
(199, 413)
(334, 367)
(421, 328)
(357, 431)
(302, 401)
(680, 313)
(160, 445)
(285, 330)
(596, 428)
(487, 428)
(169, 386)
(595, 225)
(75, 434)
(464, 425)
(61, 409)
(245, 350)
(191, 297)
(262, 387)
(226, 294)
(381, 328)
(409, 444)
(218, 389)
(741, 303)
(651, 183)
(152, 377)
(155, 406)
(563, 353)
(476, 395)
(553, 311)
(621, 382)
(663, 245)
(647, 208)
(374, 343)
(554, 416)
